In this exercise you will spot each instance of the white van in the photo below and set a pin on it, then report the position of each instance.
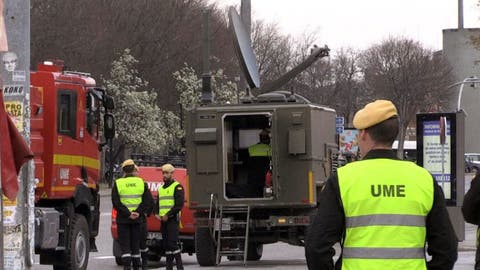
(409, 149)
(472, 162)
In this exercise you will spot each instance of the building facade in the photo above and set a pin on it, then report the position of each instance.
(464, 57)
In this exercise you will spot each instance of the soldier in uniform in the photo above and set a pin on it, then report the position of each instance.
(168, 210)
(260, 155)
(130, 196)
(383, 210)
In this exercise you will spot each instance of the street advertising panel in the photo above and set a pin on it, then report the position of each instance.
(437, 150)
(437, 157)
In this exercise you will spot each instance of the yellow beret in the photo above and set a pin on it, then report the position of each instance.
(168, 168)
(129, 162)
(374, 113)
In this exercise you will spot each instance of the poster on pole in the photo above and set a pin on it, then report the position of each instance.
(348, 142)
(15, 110)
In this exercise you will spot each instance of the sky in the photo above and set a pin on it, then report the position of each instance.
(361, 23)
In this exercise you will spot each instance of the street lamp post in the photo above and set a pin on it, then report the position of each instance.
(472, 79)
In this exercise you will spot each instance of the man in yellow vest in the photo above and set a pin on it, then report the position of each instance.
(381, 209)
(260, 155)
(130, 197)
(168, 209)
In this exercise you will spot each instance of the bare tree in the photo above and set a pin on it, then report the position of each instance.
(413, 77)
(272, 49)
(348, 83)
(161, 34)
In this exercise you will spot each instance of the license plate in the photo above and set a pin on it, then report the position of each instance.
(225, 224)
(154, 235)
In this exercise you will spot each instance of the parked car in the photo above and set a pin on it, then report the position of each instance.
(472, 162)
(153, 176)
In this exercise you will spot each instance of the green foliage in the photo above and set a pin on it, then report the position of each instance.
(140, 124)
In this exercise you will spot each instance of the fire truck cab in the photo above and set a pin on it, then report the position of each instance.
(66, 108)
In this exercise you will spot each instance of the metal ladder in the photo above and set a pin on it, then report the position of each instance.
(231, 235)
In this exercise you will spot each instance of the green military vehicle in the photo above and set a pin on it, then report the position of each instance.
(243, 201)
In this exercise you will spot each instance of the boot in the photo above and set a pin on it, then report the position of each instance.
(169, 265)
(144, 260)
(136, 263)
(127, 263)
(178, 261)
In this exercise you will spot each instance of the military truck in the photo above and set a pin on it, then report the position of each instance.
(232, 217)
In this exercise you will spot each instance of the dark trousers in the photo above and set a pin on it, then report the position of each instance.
(129, 238)
(170, 236)
(143, 242)
(477, 253)
(170, 230)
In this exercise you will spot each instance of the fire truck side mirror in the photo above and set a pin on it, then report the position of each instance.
(108, 102)
(109, 126)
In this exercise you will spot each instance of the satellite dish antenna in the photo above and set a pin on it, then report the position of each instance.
(244, 50)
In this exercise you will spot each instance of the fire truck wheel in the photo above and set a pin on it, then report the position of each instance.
(205, 249)
(78, 247)
(255, 251)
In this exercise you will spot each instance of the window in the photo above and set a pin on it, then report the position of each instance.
(67, 108)
(92, 115)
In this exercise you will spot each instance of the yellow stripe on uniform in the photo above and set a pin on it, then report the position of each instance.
(74, 160)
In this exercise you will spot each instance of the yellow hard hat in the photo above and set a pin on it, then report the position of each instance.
(168, 168)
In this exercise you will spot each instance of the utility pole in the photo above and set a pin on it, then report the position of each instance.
(206, 76)
(460, 14)
(246, 15)
(18, 216)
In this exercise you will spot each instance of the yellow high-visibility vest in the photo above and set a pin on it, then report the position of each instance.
(165, 198)
(260, 150)
(386, 203)
(130, 189)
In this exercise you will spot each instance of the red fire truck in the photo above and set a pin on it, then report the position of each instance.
(153, 176)
(66, 108)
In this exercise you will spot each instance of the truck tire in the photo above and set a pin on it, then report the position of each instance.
(205, 249)
(254, 252)
(78, 247)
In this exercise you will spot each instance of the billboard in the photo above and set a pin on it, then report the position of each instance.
(348, 142)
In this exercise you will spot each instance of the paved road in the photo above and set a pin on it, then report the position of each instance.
(275, 256)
